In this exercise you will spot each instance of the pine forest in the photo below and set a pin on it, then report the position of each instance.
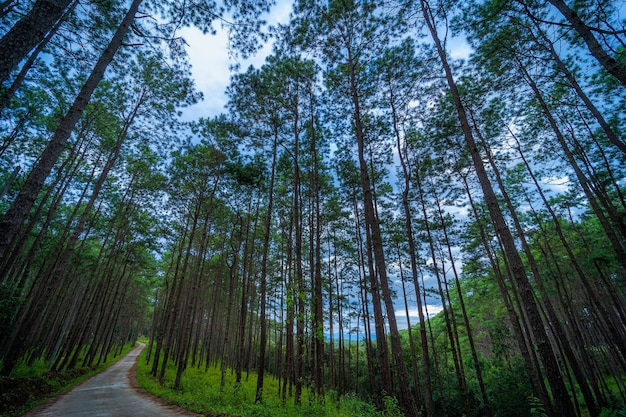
(411, 208)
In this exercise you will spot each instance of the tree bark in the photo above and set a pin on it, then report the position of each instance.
(263, 286)
(6, 96)
(609, 229)
(28, 32)
(20, 208)
(608, 62)
(408, 223)
(316, 238)
(608, 131)
(563, 404)
(406, 398)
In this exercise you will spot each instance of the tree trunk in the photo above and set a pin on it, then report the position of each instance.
(318, 296)
(563, 404)
(28, 32)
(416, 379)
(584, 182)
(20, 208)
(466, 322)
(408, 223)
(6, 96)
(608, 62)
(406, 398)
(551, 315)
(263, 287)
(608, 130)
(363, 290)
(534, 373)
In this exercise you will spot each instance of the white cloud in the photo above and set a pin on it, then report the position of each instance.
(210, 63)
(401, 320)
(459, 48)
(433, 310)
(208, 55)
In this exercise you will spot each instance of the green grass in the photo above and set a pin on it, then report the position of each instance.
(200, 392)
(29, 386)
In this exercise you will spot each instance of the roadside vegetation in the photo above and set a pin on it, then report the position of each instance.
(201, 391)
(31, 384)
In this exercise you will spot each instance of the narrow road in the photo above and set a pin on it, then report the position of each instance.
(109, 394)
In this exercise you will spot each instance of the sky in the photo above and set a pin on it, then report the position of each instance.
(210, 67)
(210, 63)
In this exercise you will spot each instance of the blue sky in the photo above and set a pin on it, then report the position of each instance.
(208, 55)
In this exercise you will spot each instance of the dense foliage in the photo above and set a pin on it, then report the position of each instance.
(372, 222)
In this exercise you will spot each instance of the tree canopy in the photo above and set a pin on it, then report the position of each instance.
(371, 220)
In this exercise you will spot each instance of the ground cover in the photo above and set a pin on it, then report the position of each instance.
(29, 386)
(200, 392)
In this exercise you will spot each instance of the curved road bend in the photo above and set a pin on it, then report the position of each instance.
(109, 394)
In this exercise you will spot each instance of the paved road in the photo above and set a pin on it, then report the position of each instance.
(108, 394)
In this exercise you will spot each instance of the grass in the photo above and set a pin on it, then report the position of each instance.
(200, 392)
(29, 386)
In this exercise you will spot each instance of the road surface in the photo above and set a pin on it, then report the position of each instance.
(111, 393)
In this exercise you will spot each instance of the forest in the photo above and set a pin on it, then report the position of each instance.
(372, 217)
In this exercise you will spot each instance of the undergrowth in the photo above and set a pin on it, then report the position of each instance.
(29, 386)
(200, 392)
